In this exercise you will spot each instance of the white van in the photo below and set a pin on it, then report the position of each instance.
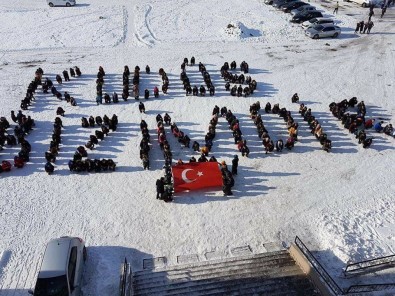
(67, 3)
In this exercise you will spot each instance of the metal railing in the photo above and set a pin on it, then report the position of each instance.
(318, 267)
(369, 265)
(369, 288)
(125, 280)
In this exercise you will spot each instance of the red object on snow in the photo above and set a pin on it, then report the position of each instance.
(6, 166)
(18, 162)
(198, 175)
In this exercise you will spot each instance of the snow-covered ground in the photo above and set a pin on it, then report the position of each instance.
(339, 203)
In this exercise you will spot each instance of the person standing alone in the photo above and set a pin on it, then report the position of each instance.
(383, 10)
(336, 8)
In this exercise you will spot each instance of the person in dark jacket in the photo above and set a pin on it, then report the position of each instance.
(49, 168)
(160, 188)
(141, 107)
(66, 75)
(370, 26)
(235, 164)
(146, 163)
(361, 26)
(72, 72)
(358, 27)
(371, 13)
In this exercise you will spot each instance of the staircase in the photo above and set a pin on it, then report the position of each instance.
(274, 273)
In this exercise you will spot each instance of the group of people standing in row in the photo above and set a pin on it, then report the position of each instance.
(365, 27)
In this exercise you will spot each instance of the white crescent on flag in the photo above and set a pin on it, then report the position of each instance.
(184, 176)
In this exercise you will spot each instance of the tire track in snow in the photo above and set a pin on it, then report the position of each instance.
(125, 19)
(144, 34)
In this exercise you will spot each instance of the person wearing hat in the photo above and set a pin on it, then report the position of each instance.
(235, 164)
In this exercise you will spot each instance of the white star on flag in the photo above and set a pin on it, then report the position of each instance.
(200, 174)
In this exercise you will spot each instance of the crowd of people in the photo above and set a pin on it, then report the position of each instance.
(263, 133)
(31, 89)
(53, 150)
(315, 127)
(181, 137)
(189, 90)
(355, 122)
(363, 26)
(165, 80)
(145, 145)
(78, 164)
(125, 85)
(24, 125)
(164, 185)
(99, 85)
(48, 84)
(235, 79)
(195, 90)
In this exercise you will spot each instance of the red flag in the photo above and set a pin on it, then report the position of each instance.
(196, 175)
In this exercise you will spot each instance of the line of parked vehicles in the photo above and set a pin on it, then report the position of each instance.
(312, 20)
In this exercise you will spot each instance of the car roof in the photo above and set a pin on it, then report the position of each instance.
(309, 12)
(324, 19)
(293, 3)
(328, 25)
(55, 257)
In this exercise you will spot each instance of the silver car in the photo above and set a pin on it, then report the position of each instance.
(320, 31)
(317, 21)
(302, 8)
(61, 268)
(67, 3)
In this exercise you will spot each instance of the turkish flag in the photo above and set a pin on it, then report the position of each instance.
(196, 175)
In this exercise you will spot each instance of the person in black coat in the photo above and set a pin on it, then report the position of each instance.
(141, 107)
(235, 164)
(72, 72)
(49, 168)
(160, 187)
(66, 75)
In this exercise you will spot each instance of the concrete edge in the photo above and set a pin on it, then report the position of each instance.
(304, 264)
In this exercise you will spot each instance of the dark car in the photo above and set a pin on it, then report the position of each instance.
(278, 3)
(305, 16)
(292, 5)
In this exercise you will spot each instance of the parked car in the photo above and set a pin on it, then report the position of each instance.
(292, 5)
(67, 3)
(317, 21)
(367, 3)
(321, 31)
(302, 9)
(305, 16)
(279, 3)
(62, 267)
